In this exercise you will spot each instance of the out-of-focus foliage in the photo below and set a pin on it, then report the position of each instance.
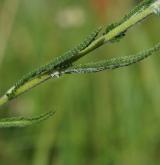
(103, 118)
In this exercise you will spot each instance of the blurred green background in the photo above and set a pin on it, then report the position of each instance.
(107, 118)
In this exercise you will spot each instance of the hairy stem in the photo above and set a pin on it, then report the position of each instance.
(105, 38)
(118, 30)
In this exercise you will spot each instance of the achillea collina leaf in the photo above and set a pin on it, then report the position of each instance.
(113, 63)
(62, 61)
(64, 64)
(23, 122)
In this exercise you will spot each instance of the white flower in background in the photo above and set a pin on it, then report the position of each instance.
(70, 17)
(156, 7)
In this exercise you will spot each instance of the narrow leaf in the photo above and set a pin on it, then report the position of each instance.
(23, 122)
(112, 63)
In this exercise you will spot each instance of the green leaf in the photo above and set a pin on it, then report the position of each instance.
(112, 63)
(22, 121)
(60, 62)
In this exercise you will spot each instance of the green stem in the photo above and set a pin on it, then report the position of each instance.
(120, 29)
(28, 85)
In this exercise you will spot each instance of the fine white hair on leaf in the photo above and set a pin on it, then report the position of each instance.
(156, 7)
(10, 90)
(55, 74)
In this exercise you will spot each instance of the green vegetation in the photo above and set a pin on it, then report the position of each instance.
(100, 119)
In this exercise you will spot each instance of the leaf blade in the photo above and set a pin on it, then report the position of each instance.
(24, 122)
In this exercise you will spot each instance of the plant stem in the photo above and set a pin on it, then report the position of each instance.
(133, 20)
(4, 99)
(121, 28)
